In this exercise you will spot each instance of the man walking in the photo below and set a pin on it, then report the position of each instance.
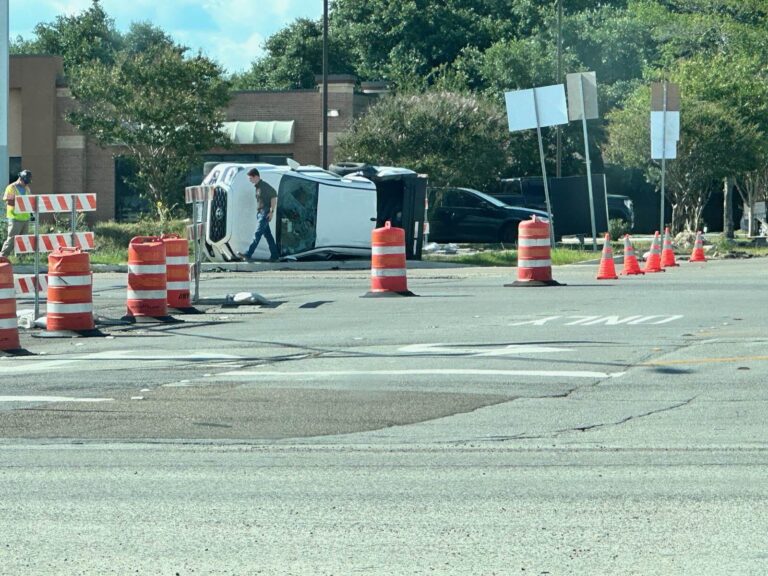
(17, 223)
(266, 206)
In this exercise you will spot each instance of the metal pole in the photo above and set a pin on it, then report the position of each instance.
(4, 92)
(196, 243)
(559, 157)
(544, 172)
(325, 84)
(73, 223)
(37, 260)
(589, 167)
(663, 156)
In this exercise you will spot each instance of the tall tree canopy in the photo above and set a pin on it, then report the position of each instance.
(455, 139)
(159, 108)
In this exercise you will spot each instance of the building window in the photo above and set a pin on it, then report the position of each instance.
(14, 167)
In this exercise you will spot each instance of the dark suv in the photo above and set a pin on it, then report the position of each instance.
(467, 215)
(529, 192)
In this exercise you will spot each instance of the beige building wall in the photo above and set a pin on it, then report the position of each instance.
(65, 161)
(14, 123)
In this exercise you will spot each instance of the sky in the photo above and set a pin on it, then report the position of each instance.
(231, 32)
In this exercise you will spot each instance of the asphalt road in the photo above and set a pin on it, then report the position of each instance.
(601, 427)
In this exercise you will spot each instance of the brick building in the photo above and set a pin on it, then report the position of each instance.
(265, 126)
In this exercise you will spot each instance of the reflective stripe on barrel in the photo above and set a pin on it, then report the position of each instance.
(534, 261)
(388, 272)
(147, 283)
(70, 290)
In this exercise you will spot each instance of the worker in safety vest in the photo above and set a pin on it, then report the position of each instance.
(17, 223)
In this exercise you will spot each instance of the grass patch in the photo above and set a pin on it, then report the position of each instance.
(559, 256)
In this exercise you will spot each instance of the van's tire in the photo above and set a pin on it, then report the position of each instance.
(508, 233)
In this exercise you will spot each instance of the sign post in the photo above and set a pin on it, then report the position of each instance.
(198, 196)
(665, 129)
(582, 104)
(537, 108)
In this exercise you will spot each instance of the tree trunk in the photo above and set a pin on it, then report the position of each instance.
(728, 207)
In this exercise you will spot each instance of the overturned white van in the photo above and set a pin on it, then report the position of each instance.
(319, 213)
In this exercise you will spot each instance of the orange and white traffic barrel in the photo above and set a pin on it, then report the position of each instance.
(388, 271)
(177, 270)
(70, 291)
(534, 255)
(9, 324)
(147, 284)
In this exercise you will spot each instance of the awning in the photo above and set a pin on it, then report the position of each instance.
(276, 132)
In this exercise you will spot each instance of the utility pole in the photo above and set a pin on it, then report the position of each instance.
(559, 158)
(325, 84)
(4, 91)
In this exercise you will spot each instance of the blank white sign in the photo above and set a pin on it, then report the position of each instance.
(664, 145)
(543, 106)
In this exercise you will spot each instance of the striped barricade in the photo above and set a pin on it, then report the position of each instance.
(198, 193)
(195, 231)
(55, 203)
(25, 284)
(25, 244)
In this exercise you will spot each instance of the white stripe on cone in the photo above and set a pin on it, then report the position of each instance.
(532, 242)
(146, 268)
(69, 280)
(177, 260)
(534, 263)
(387, 272)
(387, 250)
(146, 295)
(59, 308)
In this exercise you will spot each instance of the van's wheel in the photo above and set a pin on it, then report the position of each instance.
(508, 234)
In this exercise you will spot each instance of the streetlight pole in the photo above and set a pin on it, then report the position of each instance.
(325, 84)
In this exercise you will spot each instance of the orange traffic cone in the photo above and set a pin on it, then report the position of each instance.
(667, 253)
(630, 260)
(698, 250)
(607, 269)
(653, 264)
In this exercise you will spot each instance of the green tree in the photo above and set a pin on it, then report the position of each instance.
(79, 39)
(455, 139)
(709, 134)
(157, 108)
(294, 57)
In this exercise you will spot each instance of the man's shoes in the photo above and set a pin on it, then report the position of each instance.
(274, 259)
(243, 257)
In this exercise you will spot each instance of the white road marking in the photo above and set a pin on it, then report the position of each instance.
(653, 320)
(320, 374)
(51, 399)
(25, 365)
(469, 350)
